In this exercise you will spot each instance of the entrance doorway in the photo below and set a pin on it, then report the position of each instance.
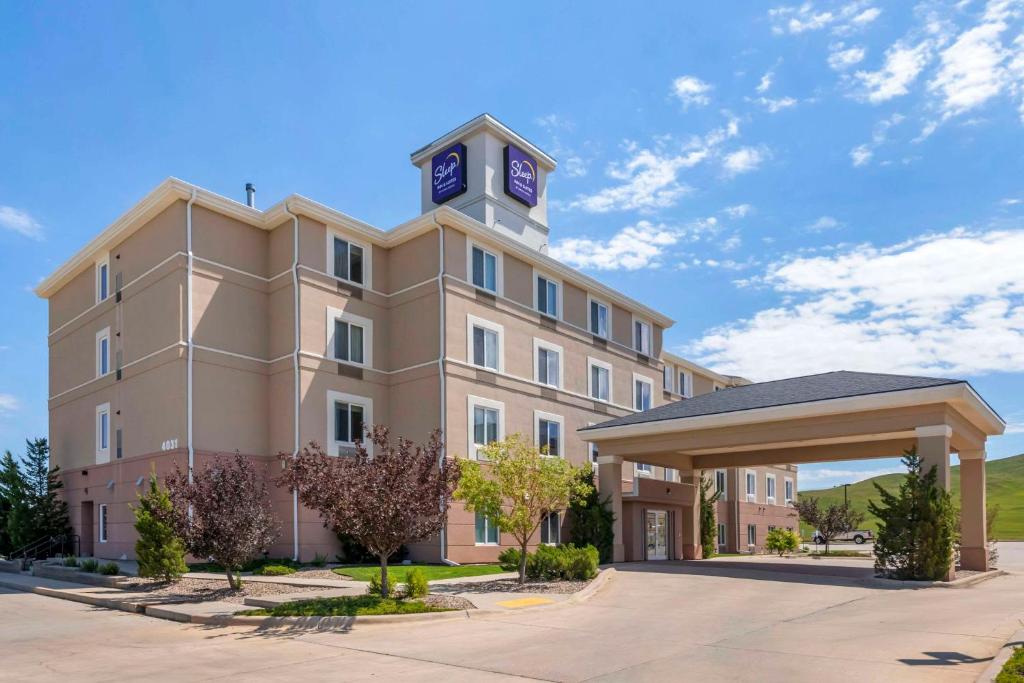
(86, 530)
(657, 535)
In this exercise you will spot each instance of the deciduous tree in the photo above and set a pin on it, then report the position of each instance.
(830, 522)
(397, 496)
(223, 513)
(517, 487)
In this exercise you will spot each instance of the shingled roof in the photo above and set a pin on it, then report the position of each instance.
(781, 392)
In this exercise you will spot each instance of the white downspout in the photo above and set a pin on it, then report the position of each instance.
(295, 369)
(440, 370)
(190, 341)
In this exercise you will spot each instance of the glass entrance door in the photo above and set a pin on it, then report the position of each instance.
(657, 535)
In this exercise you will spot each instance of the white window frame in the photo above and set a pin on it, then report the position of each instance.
(770, 489)
(473, 321)
(367, 248)
(646, 380)
(636, 343)
(590, 322)
(539, 344)
(592, 449)
(102, 454)
(751, 497)
(789, 492)
(103, 522)
(480, 402)
(102, 277)
(725, 484)
(558, 294)
(751, 528)
(539, 415)
(668, 378)
(488, 526)
(595, 362)
(499, 275)
(686, 383)
(335, 314)
(545, 525)
(333, 445)
(668, 473)
(723, 536)
(102, 358)
(642, 469)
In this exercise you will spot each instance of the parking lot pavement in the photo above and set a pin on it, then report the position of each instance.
(652, 621)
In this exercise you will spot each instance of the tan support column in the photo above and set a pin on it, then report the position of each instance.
(609, 486)
(691, 515)
(933, 447)
(973, 520)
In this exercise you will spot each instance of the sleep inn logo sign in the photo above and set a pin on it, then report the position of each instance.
(520, 176)
(448, 173)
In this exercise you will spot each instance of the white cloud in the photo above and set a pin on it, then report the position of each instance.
(824, 223)
(738, 211)
(902, 65)
(866, 17)
(8, 404)
(743, 160)
(773, 105)
(917, 307)
(691, 91)
(553, 122)
(731, 244)
(842, 57)
(766, 81)
(822, 477)
(634, 247)
(847, 18)
(861, 155)
(20, 222)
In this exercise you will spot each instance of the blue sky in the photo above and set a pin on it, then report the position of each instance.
(802, 187)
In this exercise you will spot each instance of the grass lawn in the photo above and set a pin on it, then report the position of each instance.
(396, 573)
(1013, 670)
(348, 606)
(838, 553)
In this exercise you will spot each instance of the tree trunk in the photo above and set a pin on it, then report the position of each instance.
(522, 565)
(385, 589)
(234, 582)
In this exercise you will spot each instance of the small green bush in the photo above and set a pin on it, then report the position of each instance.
(580, 563)
(565, 562)
(273, 570)
(416, 585)
(1013, 669)
(547, 563)
(70, 561)
(509, 559)
(90, 565)
(781, 541)
(374, 588)
(109, 569)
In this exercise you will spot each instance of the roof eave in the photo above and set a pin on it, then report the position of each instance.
(483, 121)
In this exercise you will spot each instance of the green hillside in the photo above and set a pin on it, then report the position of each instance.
(1005, 482)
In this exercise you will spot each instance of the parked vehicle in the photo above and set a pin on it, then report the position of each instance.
(858, 536)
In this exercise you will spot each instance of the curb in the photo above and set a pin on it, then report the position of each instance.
(996, 665)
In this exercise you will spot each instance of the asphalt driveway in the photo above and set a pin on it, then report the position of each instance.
(666, 621)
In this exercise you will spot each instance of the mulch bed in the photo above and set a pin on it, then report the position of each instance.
(203, 590)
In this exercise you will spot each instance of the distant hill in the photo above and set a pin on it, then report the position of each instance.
(1005, 488)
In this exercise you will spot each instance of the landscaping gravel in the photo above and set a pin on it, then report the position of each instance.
(314, 573)
(448, 602)
(203, 590)
(511, 586)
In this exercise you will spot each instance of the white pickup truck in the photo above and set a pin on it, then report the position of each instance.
(858, 536)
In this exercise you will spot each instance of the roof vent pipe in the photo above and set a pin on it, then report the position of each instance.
(250, 195)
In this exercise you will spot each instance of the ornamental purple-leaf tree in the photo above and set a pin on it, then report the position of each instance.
(399, 495)
(230, 520)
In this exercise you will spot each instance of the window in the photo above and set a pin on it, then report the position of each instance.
(486, 532)
(599, 380)
(551, 529)
(670, 474)
(769, 488)
(599, 319)
(789, 491)
(721, 536)
(751, 534)
(348, 260)
(103, 278)
(642, 390)
(348, 419)
(103, 523)
(118, 444)
(485, 343)
(547, 296)
(103, 433)
(593, 453)
(686, 383)
(642, 337)
(484, 269)
(103, 352)
(751, 486)
(642, 469)
(549, 430)
(350, 337)
(547, 359)
(486, 424)
(667, 377)
(721, 478)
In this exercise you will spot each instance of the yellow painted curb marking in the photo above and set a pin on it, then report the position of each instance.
(524, 602)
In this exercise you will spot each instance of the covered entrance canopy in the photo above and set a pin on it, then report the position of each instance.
(819, 418)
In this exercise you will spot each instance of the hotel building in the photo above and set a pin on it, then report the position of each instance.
(196, 325)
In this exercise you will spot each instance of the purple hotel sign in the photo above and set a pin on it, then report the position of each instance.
(520, 176)
(448, 173)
